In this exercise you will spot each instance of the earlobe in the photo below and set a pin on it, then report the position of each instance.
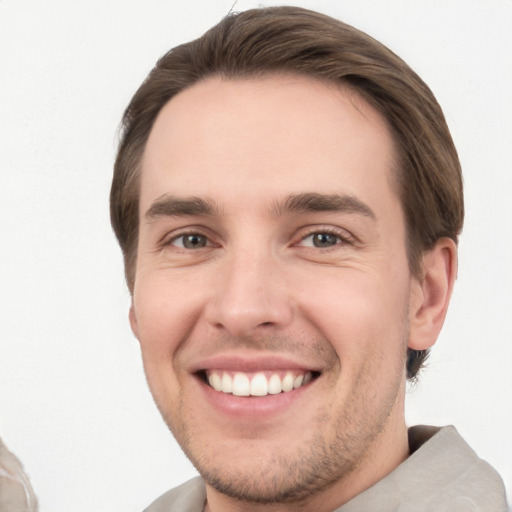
(431, 294)
(133, 321)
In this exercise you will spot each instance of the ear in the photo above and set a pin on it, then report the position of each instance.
(133, 321)
(430, 294)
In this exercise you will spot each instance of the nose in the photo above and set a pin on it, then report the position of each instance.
(250, 294)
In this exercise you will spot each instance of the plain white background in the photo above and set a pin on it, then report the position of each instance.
(74, 403)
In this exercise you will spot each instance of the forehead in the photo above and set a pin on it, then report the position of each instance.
(262, 137)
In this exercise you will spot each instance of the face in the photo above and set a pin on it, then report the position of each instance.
(272, 285)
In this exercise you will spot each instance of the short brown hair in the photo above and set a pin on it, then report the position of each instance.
(299, 41)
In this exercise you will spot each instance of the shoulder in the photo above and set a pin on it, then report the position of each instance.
(464, 481)
(449, 475)
(443, 473)
(188, 497)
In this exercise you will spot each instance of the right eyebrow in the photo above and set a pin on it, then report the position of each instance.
(172, 206)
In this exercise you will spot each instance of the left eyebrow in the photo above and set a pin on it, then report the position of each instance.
(315, 202)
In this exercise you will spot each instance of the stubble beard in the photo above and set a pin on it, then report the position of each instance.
(320, 462)
(323, 459)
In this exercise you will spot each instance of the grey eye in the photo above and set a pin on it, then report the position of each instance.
(323, 240)
(191, 241)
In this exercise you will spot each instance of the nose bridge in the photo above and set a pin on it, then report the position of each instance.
(250, 291)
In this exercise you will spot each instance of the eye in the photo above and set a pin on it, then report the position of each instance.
(321, 240)
(190, 241)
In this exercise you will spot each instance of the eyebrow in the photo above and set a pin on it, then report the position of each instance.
(315, 202)
(171, 206)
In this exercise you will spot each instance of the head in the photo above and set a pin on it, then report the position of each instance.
(288, 199)
(293, 40)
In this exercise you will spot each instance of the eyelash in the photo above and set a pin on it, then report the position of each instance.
(343, 238)
(169, 241)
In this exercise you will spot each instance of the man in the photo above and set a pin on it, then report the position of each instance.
(288, 200)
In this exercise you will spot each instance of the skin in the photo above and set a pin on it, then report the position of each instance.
(257, 289)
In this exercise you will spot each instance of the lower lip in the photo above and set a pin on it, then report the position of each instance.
(252, 407)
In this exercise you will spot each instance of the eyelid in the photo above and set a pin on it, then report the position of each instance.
(168, 239)
(303, 233)
(345, 236)
(173, 241)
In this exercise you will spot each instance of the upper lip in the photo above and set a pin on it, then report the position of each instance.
(252, 363)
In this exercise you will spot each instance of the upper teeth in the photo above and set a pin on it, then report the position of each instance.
(256, 384)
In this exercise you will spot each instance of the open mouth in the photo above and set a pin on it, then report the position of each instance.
(261, 383)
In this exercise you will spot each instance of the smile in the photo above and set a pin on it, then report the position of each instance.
(257, 383)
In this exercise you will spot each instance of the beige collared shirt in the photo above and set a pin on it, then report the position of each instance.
(442, 474)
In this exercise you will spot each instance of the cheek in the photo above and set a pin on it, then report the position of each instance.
(165, 315)
(357, 312)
